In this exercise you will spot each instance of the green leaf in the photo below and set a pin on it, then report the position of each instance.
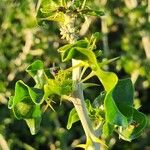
(37, 112)
(21, 92)
(107, 129)
(87, 85)
(73, 117)
(92, 12)
(36, 95)
(124, 92)
(10, 102)
(136, 129)
(24, 105)
(34, 67)
(21, 95)
(79, 50)
(33, 124)
(49, 10)
(58, 17)
(36, 70)
(113, 115)
(123, 96)
(108, 79)
(99, 100)
(25, 100)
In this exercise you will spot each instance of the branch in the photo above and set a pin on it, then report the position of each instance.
(105, 36)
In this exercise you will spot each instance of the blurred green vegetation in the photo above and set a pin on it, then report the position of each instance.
(125, 32)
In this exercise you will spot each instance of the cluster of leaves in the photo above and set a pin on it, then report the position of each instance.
(58, 10)
(27, 101)
(118, 113)
(109, 110)
(17, 21)
(64, 12)
(118, 101)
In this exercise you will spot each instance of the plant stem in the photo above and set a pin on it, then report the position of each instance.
(105, 36)
(79, 104)
(83, 4)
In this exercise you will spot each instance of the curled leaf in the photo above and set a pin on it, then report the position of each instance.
(135, 129)
(73, 117)
(25, 105)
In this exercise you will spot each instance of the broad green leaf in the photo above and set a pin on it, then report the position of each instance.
(81, 43)
(34, 67)
(37, 112)
(36, 95)
(24, 105)
(26, 109)
(134, 130)
(74, 52)
(36, 70)
(21, 91)
(73, 117)
(50, 10)
(107, 129)
(25, 100)
(123, 92)
(108, 79)
(82, 50)
(123, 96)
(113, 114)
(33, 124)
(79, 50)
(126, 111)
(119, 111)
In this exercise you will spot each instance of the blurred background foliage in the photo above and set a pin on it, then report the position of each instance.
(125, 32)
